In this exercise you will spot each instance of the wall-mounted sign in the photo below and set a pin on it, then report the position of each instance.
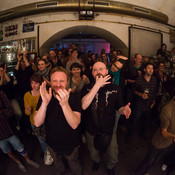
(29, 27)
(11, 30)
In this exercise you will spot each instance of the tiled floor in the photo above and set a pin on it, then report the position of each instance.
(130, 154)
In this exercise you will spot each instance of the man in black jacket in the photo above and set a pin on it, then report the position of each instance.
(101, 101)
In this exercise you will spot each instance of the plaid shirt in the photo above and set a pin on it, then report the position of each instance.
(139, 86)
(6, 111)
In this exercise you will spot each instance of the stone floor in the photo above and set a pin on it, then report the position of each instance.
(130, 155)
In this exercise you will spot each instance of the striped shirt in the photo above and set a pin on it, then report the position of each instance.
(6, 111)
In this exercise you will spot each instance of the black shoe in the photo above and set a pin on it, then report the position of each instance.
(110, 171)
(42, 155)
(95, 166)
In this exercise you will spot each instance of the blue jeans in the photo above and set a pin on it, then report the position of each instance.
(41, 141)
(12, 140)
(153, 155)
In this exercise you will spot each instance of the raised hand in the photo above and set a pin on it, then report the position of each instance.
(19, 56)
(122, 57)
(63, 96)
(127, 110)
(45, 95)
(24, 53)
(84, 78)
(101, 81)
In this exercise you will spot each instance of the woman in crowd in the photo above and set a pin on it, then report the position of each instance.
(77, 80)
(76, 83)
(48, 63)
(43, 70)
(30, 103)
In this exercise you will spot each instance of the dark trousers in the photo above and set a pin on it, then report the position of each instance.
(156, 111)
(72, 160)
(153, 155)
(139, 118)
(170, 159)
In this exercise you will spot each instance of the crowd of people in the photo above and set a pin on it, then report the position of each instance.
(65, 98)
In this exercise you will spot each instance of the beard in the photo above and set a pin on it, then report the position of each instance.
(99, 75)
(149, 73)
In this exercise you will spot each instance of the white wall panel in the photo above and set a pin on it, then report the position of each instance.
(144, 42)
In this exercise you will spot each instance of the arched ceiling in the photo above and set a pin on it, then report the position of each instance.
(114, 41)
(164, 6)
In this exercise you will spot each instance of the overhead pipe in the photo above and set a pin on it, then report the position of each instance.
(74, 6)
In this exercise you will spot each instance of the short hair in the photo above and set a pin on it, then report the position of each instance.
(147, 64)
(135, 56)
(45, 54)
(104, 54)
(75, 65)
(41, 59)
(37, 77)
(163, 44)
(161, 62)
(52, 51)
(73, 50)
(122, 61)
(59, 69)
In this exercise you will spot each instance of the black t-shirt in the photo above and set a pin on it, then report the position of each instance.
(131, 72)
(102, 111)
(23, 79)
(59, 134)
(161, 52)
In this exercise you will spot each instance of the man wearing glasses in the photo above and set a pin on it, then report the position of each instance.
(118, 78)
(101, 100)
(116, 73)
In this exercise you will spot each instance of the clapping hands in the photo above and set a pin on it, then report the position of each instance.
(45, 95)
(63, 96)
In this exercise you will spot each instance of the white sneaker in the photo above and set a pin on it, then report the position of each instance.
(48, 160)
(22, 167)
(164, 167)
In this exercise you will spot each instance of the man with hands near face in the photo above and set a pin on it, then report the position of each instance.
(60, 110)
(101, 100)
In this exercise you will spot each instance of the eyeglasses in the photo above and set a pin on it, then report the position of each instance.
(116, 66)
(100, 69)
